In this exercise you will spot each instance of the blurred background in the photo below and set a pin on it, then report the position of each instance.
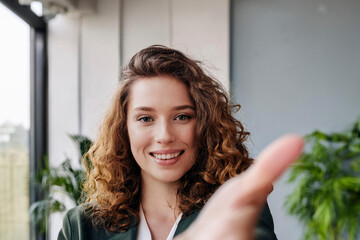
(294, 66)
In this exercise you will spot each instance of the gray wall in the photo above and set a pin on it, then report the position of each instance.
(295, 67)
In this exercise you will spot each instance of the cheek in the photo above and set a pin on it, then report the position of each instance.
(137, 138)
(189, 135)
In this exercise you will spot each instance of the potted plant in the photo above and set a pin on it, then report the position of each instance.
(64, 179)
(326, 197)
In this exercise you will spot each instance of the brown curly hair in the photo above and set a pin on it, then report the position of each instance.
(113, 184)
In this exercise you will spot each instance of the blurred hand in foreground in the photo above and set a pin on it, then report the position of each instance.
(232, 212)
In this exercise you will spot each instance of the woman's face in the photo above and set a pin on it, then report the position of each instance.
(161, 126)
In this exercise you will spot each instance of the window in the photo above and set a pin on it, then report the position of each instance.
(14, 125)
(23, 111)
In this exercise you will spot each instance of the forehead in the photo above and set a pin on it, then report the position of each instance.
(159, 91)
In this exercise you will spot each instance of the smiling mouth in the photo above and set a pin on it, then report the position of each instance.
(167, 156)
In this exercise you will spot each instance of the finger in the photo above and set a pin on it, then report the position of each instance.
(271, 163)
(277, 157)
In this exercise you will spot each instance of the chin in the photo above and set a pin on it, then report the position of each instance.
(170, 178)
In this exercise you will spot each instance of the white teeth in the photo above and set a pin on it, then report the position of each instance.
(166, 156)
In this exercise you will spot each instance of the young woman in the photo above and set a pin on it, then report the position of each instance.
(168, 142)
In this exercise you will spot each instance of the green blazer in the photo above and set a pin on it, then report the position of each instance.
(77, 227)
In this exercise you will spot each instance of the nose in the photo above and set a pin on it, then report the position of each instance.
(164, 133)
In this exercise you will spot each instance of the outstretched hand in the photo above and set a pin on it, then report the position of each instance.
(232, 212)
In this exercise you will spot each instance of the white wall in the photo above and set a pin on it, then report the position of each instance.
(83, 70)
(295, 68)
(200, 28)
(86, 52)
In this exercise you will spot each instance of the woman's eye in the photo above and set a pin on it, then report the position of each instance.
(183, 117)
(145, 119)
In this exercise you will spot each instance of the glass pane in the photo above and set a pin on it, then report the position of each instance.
(14, 126)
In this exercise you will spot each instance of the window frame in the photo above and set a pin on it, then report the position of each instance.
(38, 98)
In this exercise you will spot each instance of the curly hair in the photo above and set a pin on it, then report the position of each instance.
(113, 184)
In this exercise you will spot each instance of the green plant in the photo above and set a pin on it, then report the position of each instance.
(64, 179)
(327, 192)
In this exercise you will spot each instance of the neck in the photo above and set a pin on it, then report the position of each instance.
(159, 197)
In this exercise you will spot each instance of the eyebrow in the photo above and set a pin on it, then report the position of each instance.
(150, 109)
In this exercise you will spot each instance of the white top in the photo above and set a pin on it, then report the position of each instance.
(144, 231)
